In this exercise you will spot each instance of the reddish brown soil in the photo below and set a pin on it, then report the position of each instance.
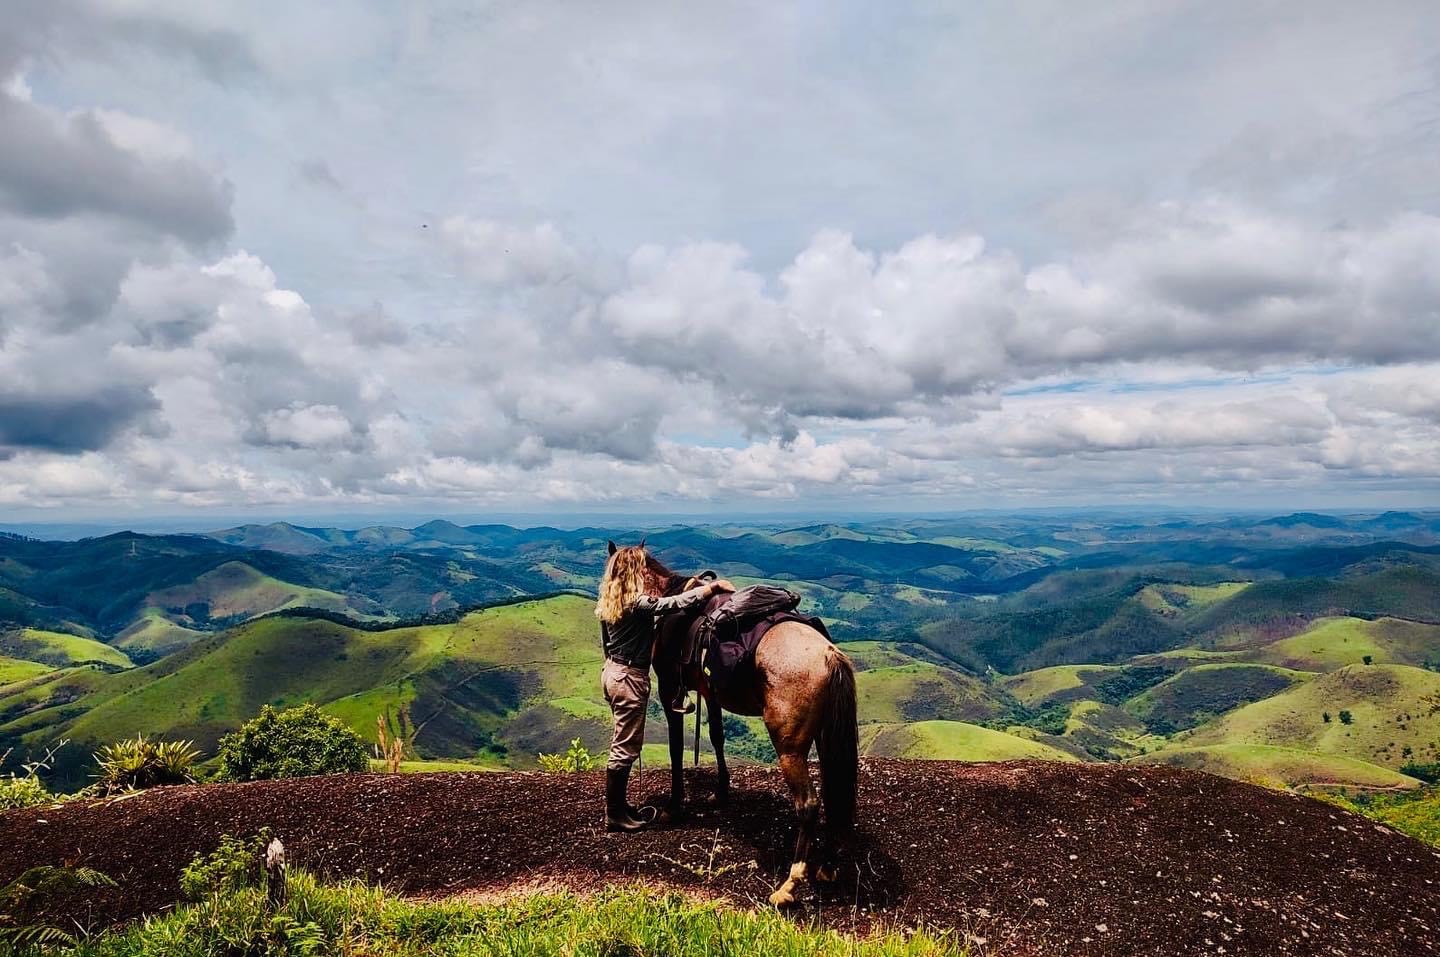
(1035, 858)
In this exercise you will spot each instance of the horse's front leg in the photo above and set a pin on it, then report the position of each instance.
(717, 741)
(676, 725)
(807, 809)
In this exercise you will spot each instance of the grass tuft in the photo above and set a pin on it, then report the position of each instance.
(353, 918)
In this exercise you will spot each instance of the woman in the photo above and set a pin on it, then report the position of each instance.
(627, 613)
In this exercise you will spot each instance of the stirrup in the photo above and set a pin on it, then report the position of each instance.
(683, 704)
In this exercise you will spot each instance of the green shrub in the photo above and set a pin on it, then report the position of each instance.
(139, 763)
(576, 759)
(236, 864)
(291, 744)
(1429, 773)
(17, 792)
(1346, 717)
(27, 790)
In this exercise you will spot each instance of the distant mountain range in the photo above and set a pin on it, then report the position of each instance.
(1201, 642)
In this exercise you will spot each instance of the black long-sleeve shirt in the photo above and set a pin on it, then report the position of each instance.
(630, 640)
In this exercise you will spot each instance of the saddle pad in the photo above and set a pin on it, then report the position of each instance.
(729, 660)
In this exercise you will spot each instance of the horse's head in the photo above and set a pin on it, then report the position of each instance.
(659, 580)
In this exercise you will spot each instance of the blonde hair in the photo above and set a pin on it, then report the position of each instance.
(624, 581)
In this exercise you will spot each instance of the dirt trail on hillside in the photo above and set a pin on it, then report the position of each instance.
(1035, 858)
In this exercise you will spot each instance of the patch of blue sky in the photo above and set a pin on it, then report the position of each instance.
(1121, 386)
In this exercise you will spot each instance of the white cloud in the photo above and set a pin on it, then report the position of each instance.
(583, 257)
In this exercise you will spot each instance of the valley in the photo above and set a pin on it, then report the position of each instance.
(1295, 651)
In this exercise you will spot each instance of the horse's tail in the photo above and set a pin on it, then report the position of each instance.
(838, 745)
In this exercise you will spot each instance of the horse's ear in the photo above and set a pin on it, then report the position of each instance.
(642, 543)
(610, 548)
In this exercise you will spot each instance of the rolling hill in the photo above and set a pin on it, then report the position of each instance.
(952, 741)
(1273, 766)
(1390, 710)
(1091, 637)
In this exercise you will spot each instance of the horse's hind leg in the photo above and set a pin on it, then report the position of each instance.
(717, 741)
(796, 769)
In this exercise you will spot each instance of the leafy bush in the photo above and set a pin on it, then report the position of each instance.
(576, 759)
(742, 741)
(1429, 773)
(1346, 717)
(1416, 813)
(17, 792)
(134, 765)
(236, 864)
(291, 744)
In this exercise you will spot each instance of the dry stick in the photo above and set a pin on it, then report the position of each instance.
(275, 889)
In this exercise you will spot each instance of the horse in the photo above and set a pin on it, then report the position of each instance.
(804, 689)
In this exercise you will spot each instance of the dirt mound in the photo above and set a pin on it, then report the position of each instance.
(1035, 858)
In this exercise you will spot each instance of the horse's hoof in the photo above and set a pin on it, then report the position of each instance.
(670, 815)
(722, 797)
(782, 898)
(827, 874)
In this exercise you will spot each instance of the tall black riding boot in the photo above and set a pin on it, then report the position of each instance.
(619, 815)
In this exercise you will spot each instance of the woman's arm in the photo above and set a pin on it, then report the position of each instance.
(683, 601)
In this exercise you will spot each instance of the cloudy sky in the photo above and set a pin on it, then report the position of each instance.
(416, 255)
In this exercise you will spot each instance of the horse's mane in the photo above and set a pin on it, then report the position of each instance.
(674, 582)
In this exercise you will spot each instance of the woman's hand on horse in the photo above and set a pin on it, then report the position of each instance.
(720, 585)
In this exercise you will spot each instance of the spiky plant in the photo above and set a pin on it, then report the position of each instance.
(175, 761)
(22, 903)
(139, 763)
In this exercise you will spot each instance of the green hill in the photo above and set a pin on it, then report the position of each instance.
(952, 741)
(1057, 684)
(1280, 767)
(514, 679)
(1331, 643)
(916, 690)
(235, 591)
(153, 634)
(59, 650)
(17, 669)
(1204, 691)
(1389, 707)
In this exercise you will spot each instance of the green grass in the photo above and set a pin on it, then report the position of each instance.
(952, 741)
(1387, 704)
(236, 590)
(1202, 692)
(917, 690)
(152, 632)
(358, 919)
(1174, 599)
(523, 677)
(1416, 814)
(18, 669)
(1279, 767)
(435, 767)
(276, 661)
(59, 649)
(1332, 643)
(1058, 683)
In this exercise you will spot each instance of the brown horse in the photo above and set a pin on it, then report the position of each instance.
(804, 689)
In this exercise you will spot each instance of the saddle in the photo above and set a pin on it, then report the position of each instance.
(723, 638)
